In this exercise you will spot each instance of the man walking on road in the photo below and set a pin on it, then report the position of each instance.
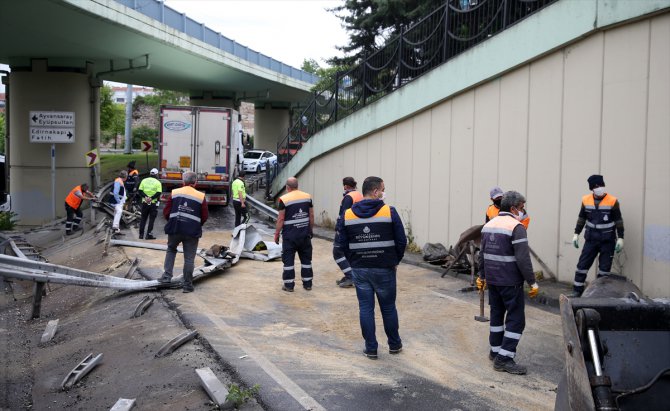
(601, 214)
(350, 197)
(504, 264)
(118, 199)
(150, 191)
(186, 212)
(372, 237)
(295, 223)
(73, 207)
(240, 199)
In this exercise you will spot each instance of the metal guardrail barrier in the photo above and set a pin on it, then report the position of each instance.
(448, 31)
(263, 208)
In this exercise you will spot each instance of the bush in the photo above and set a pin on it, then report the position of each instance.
(8, 220)
(144, 133)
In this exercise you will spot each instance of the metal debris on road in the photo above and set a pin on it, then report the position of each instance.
(81, 370)
(214, 388)
(143, 306)
(176, 342)
(50, 331)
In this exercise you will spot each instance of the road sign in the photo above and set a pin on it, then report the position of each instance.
(52, 118)
(51, 126)
(92, 157)
(51, 135)
(147, 146)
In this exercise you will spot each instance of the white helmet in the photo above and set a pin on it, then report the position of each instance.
(154, 172)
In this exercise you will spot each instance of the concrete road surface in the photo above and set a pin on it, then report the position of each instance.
(304, 349)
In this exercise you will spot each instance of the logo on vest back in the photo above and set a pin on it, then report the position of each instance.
(300, 210)
(366, 230)
(605, 217)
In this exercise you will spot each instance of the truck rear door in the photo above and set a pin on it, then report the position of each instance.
(177, 138)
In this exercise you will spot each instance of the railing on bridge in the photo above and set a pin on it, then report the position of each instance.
(445, 33)
(157, 10)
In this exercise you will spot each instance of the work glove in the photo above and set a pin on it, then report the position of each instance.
(619, 245)
(575, 240)
(481, 284)
(532, 293)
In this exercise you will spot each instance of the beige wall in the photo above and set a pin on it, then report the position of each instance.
(601, 105)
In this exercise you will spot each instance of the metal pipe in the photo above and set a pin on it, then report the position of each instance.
(128, 149)
(594, 352)
(7, 129)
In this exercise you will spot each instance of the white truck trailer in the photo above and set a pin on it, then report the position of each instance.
(206, 140)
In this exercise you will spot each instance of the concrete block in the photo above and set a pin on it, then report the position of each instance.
(50, 331)
(216, 390)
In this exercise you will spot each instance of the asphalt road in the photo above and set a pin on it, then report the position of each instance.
(304, 349)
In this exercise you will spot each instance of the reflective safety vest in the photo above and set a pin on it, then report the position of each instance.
(355, 196)
(598, 217)
(72, 200)
(186, 212)
(133, 173)
(498, 251)
(296, 214)
(371, 240)
(239, 190)
(150, 186)
(493, 211)
(122, 190)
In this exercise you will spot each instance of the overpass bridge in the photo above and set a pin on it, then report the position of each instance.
(60, 51)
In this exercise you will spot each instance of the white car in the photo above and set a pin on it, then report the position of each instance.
(258, 160)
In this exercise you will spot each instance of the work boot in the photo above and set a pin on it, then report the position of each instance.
(395, 350)
(287, 289)
(509, 366)
(307, 287)
(68, 233)
(340, 280)
(187, 289)
(346, 283)
(492, 355)
(372, 354)
(150, 237)
(141, 236)
(575, 294)
(165, 279)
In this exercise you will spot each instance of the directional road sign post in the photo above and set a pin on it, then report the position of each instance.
(146, 147)
(52, 127)
(92, 157)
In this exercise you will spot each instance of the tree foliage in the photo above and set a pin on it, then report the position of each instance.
(327, 75)
(370, 23)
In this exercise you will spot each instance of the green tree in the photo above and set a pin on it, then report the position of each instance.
(370, 23)
(144, 133)
(326, 75)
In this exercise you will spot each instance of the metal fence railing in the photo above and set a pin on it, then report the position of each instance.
(446, 32)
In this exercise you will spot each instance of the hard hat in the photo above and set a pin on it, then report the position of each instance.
(154, 171)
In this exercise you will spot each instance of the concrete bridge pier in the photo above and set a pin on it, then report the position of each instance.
(68, 100)
(271, 123)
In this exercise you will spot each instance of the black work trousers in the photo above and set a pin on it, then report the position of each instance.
(302, 246)
(149, 212)
(73, 218)
(595, 246)
(508, 319)
(241, 216)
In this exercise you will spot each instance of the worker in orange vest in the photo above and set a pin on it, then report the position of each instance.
(496, 194)
(350, 197)
(601, 214)
(73, 206)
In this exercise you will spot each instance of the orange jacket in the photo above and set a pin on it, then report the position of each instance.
(72, 200)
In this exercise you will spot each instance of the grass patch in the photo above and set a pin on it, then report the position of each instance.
(111, 164)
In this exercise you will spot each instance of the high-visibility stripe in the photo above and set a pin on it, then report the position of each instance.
(523, 240)
(497, 328)
(506, 353)
(604, 207)
(582, 271)
(306, 265)
(371, 244)
(289, 268)
(600, 226)
(297, 221)
(578, 284)
(590, 207)
(603, 272)
(185, 215)
(339, 260)
(289, 281)
(368, 220)
(515, 336)
(496, 230)
(495, 348)
(502, 258)
(346, 270)
(307, 279)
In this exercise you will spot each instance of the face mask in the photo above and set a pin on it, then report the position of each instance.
(519, 216)
(599, 191)
(383, 196)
